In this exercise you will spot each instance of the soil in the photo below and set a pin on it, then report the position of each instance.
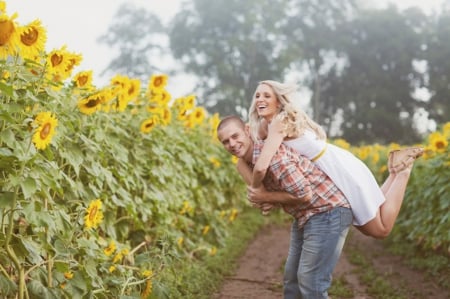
(259, 272)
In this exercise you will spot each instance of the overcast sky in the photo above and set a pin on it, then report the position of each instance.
(79, 23)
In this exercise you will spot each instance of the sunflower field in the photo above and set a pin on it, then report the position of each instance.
(103, 189)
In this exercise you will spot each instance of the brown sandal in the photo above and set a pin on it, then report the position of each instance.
(403, 158)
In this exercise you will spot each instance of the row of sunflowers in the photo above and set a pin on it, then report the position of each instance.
(101, 189)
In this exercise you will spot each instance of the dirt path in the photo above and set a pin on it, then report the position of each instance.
(259, 274)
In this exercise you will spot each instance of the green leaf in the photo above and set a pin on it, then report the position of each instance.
(7, 136)
(28, 187)
(7, 89)
(5, 152)
(7, 287)
(6, 199)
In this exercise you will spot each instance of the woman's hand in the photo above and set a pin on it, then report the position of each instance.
(276, 126)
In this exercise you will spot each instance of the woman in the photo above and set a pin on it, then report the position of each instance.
(273, 112)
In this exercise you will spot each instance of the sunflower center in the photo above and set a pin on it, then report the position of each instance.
(158, 82)
(56, 59)
(45, 130)
(82, 81)
(439, 144)
(92, 103)
(30, 37)
(6, 29)
(93, 213)
(149, 125)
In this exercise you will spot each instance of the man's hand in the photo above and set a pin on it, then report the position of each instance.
(257, 195)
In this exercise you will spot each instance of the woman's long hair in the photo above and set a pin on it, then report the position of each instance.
(294, 119)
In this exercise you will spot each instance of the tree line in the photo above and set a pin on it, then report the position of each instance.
(370, 75)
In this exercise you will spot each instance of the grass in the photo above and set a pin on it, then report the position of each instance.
(198, 279)
(435, 266)
(390, 285)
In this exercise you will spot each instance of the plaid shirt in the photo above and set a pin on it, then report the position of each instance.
(291, 172)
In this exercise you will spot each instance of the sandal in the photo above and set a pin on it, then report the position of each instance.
(401, 159)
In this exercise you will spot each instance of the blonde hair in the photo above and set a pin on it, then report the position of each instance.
(295, 121)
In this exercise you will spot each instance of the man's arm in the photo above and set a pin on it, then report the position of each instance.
(294, 187)
(261, 195)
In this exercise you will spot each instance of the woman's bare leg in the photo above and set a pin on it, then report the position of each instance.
(394, 191)
(387, 183)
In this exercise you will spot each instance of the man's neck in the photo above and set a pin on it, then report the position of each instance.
(248, 157)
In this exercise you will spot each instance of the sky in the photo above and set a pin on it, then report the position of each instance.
(78, 24)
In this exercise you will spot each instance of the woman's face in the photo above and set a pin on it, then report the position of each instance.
(266, 102)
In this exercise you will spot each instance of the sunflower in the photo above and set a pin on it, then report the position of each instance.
(74, 60)
(110, 249)
(94, 214)
(68, 275)
(157, 82)
(161, 98)
(8, 36)
(46, 123)
(83, 80)
(197, 116)
(147, 291)
(214, 161)
(94, 102)
(149, 124)
(32, 39)
(61, 64)
(205, 229)
(438, 142)
(213, 251)
(166, 116)
(58, 60)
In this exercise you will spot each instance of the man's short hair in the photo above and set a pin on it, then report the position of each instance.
(231, 119)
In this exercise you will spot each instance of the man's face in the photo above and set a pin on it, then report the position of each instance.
(235, 140)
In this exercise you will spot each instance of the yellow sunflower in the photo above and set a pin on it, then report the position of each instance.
(438, 142)
(161, 98)
(94, 102)
(94, 214)
(197, 116)
(8, 36)
(83, 79)
(110, 249)
(157, 82)
(46, 123)
(73, 61)
(32, 39)
(166, 116)
(147, 291)
(149, 124)
(58, 60)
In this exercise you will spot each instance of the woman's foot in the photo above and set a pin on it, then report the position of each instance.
(402, 159)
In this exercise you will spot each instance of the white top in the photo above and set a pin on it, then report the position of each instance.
(349, 173)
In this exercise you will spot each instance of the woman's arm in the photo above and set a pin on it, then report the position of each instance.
(274, 138)
(245, 171)
(246, 174)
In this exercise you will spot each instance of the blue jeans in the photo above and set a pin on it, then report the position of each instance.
(313, 253)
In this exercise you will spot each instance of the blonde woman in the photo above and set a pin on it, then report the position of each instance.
(275, 117)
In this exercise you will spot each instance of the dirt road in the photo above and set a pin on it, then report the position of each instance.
(259, 275)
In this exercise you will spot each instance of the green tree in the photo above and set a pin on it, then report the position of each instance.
(311, 29)
(139, 38)
(437, 55)
(372, 92)
(230, 45)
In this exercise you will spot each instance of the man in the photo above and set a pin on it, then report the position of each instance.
(321, 211)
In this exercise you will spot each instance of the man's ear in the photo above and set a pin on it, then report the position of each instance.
(247, 129)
